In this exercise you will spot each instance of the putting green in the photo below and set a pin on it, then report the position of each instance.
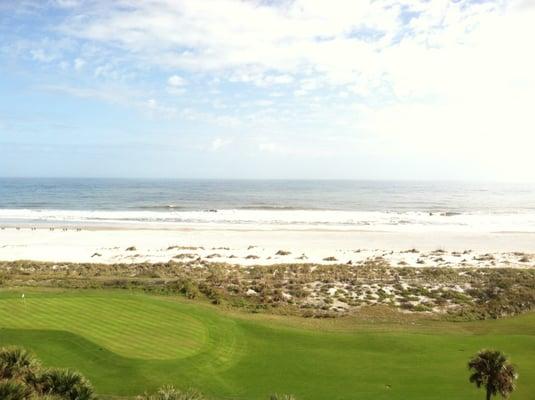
(128, 343)
(126, 326)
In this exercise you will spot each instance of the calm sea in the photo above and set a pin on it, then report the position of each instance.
(372, 204)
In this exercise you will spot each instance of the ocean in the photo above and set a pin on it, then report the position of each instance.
(369, 205)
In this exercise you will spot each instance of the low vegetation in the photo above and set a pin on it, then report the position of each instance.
(23, 378)
(303, 289)
(169, 392)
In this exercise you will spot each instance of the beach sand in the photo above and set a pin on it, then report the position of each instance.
(250, 245)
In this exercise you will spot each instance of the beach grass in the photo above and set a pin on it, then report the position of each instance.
(127, 342)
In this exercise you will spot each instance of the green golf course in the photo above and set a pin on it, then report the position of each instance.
(128, 342)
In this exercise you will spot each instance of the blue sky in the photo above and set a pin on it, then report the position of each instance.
(268, 89)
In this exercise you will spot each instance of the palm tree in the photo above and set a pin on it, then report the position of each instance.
(281, 397)
(18, 364)
(65, 384)
(170, 393)
(167, 393)
(21, 378)
(10, 390)
(491, 369)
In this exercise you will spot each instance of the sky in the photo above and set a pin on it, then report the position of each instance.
(343, 89)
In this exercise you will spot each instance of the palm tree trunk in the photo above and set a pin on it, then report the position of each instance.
(489, 394)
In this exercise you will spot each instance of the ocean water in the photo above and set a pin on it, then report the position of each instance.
(368, 205)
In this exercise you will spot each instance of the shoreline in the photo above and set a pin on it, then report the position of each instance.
(255, 245)
(247, 227)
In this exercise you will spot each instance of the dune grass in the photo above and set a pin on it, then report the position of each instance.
(126, 343)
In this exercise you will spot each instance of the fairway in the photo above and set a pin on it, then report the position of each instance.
(127, 343)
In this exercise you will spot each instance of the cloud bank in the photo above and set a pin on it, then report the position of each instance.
(442, 80)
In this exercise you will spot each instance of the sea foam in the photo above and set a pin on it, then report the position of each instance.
(411, 221)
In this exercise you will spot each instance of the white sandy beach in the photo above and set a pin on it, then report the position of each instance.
(247, 245)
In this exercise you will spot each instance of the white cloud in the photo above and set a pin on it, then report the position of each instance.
(155, 109)
(107, 94)
(293, 149)
(176, 81)
(279, 79)
(42, 56)
(221, 34)
(219, 143)
(176, 85)
(263, 103)
(271, 147)
(261, 78)
(67, 3)
(343, 42)
(430, 77)
(116, 95)
(79, 63)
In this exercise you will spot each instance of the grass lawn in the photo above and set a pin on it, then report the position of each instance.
(126, 343)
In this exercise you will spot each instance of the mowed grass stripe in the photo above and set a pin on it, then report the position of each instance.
(118, 319)
(163, 329)
(146, 316)
(137, 328)
(125, 326)
(126, 336)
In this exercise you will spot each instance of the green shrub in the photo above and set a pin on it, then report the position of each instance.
(170, 393)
